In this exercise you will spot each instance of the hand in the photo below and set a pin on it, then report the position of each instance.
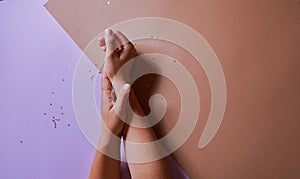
(112, 111)
(119, 50)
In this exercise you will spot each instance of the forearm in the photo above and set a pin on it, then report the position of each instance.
(154, 169)
(104, 167)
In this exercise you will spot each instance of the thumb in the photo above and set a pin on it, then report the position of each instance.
(121, 102)
(110, 42)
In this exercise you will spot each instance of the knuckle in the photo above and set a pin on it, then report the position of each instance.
(110, 40)
(129, 44)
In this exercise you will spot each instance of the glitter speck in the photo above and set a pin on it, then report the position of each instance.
(108, 2)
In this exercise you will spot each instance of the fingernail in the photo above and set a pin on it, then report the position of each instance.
(126, 86)
(108, 31)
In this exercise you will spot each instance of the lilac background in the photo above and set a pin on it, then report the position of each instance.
(36, 54)
(37, 61)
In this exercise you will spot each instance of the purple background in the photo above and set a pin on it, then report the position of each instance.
(37, 61)
(36, 55)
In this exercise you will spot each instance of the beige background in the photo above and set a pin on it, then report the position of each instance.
(257, 43)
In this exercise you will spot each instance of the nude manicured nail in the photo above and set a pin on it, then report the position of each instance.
(126, 86)
(108, 31)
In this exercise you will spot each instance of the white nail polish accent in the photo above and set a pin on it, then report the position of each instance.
(126, 86)
(107, 31)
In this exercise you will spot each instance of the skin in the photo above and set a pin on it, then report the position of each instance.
(120, 50)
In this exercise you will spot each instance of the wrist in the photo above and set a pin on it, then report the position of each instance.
(109, 143)
(118, 85)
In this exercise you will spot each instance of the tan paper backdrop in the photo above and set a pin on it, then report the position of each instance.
(258, 45)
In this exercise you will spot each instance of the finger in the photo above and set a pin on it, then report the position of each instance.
(106, 93)
(121, 38)
(101, 41)
(122, 101)
(127, 46)
(110, 42)
(106, 84)
(118, 41)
